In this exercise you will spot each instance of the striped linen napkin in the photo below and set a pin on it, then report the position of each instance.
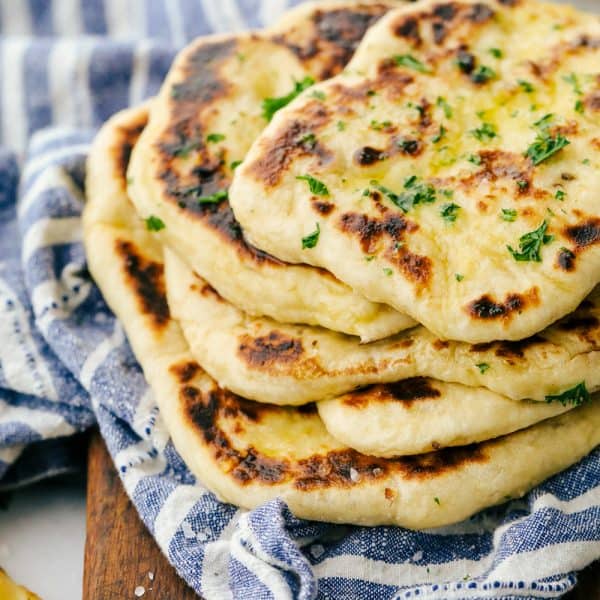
(65, 362)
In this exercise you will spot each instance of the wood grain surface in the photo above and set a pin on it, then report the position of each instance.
(119, 551)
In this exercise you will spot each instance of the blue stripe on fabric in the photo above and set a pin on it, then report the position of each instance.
(17, 433)
(36, 86)
(245, 584)
(195, 20)
(41, 16)
(109, 78)
(93, 16)
(158, 66)
(150, 494)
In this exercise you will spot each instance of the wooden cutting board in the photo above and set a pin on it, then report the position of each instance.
(120, 553)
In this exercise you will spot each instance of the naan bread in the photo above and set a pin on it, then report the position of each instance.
(279, 363)
(418, 415)
(248, 453)
(205, 118)
(455, 170)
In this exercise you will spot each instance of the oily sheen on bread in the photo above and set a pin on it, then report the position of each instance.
(248, 453)
(280, 363)
(208, 113)
(455, 168)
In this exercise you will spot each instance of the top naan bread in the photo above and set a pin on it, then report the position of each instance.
(207, 115)
(455, 173)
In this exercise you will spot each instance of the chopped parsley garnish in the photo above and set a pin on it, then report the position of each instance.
(560, 195)
(449, 212)
(475, 159)
(184, 150)
(586, 162)
(311, 240)
(576, 396)
(526, 86)
(496, 52)
(441, 103)
(154, 223)
(574, 82)
(545, 146)
(371, 93)
(319, 95)
(437, 501)
(213, 138)
(235, 164)
(482, 74)
(544, 122)
(316, 187)
(483, 367)
(388, 272)
(409, 61)
(379, 125)
(459, 277)
(531, 243)
(309, 139)
(406, 145)
(415, 192)
(522, 184)
(214, 198)
(271, 105)
(341, 126)
(440, 135)
(579, 107)
(508, 214)
(486, 132)
(370, 257)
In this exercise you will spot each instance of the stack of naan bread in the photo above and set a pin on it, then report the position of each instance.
(357, 255)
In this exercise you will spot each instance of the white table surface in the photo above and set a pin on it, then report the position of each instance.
(42, 534)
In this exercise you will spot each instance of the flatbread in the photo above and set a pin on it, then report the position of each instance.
(205, 118)
(458, 161)
(279, 363)
(419, 415)
(248, 453)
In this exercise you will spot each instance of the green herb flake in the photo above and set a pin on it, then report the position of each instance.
(341, 126)
(482, 74)
(309, 139)
(522, 184)
(545, 146)
(409, 61)
(415, 192)
(129, 181)
(154, 223)
(319, 95)
(474, 159)
(449, 212)
(235, 164)
(560, 195)
(440, 135)
(576, 396)
(213, 198)
(526, 86)
(316, 187)
(214, 138)
(459, 277)
(483, 367)
(544, 122)
(573, 81)
(379, 125)
(496, 52)
(484, 133)
(508, 214)
(311, 240)
(586, 162)
(579, 107)
(531, 243)
(437, 501)
(441, 103)
(388, 272)
(370, 257)
(271, 105)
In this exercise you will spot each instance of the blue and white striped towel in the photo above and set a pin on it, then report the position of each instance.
(61, 346)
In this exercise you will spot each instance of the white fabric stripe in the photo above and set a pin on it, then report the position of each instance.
(81, 91)
(66, 17)
(14, 108)
(266, 574)
(118, 19)
(15, 17)
(99, 355)
(48, 158)
(47, 137)
(213, 16)
(45, 423)
(589, 498)
(11, 453)
(174, 511)
(50, 232)
(22, 365)
(175, 18)
(138, 17)
(139, 464)
(49, 178)
(547, 561)
(61, 66)
(231, 16)
(271, 10)
(139, 77)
